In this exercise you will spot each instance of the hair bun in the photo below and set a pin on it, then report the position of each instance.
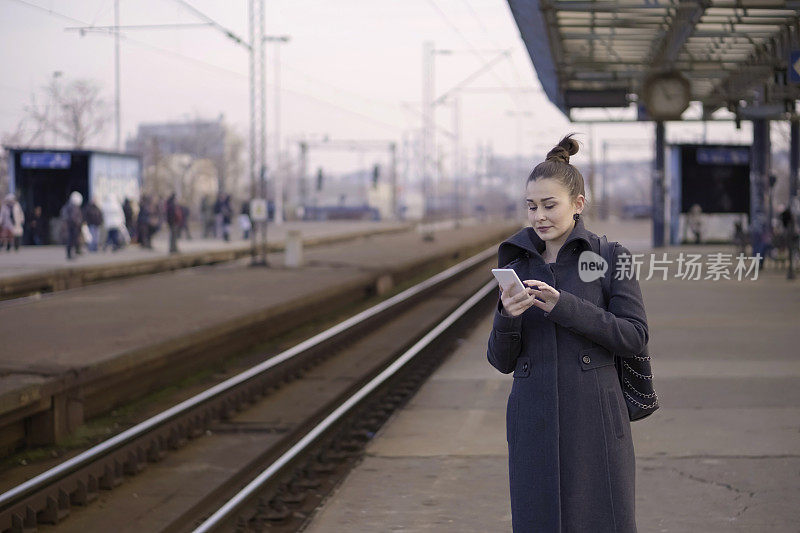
(565, 148)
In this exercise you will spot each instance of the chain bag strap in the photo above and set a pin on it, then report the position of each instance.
(634, 373)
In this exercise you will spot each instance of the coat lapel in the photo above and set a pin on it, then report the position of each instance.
(527, 243)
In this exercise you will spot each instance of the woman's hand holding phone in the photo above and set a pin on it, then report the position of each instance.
(546, 296)
(536, 293)
(516, 302)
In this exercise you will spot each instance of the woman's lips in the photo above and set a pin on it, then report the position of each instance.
(544, 228)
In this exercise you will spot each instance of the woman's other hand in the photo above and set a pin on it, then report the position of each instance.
(517, 303)
(546, 296)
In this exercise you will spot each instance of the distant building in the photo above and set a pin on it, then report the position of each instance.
(200, 139)
(188, 157)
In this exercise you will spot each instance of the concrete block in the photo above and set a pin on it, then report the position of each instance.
(294, 249)
(51, 426)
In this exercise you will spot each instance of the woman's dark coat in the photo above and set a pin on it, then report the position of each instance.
(571, 457)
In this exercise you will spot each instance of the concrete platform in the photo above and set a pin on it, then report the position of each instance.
(722, 454)
(71, 355)
(439, 464)
(35, 269)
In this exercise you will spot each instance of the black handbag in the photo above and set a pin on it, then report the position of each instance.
(635, 375)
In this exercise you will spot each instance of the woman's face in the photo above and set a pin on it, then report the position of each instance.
(550, 210)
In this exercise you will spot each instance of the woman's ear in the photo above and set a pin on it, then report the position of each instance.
(580, 203)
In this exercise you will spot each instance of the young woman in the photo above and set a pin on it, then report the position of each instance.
(571, 457)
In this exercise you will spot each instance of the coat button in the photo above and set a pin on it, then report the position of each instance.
(587, 359)
(525, 366)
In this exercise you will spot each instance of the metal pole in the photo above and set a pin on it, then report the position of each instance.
(263, 133)
(457, 155)
(393, 179)
(517, 161)
(303, 191)
(427, 121)
(592, 165)
(604, 188)
(117, 119)
(278, 170)
(759, 224)
(658, 187)
(794, 158)
(794, 163)
(252, 76)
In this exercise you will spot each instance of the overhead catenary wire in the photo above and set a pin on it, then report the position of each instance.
(210, 66)
(471, 46)
(130, 40)
(213, 22)
(510, 57)
(102, 7)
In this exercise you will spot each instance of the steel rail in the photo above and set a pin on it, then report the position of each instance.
(230, 507)
(16, 495)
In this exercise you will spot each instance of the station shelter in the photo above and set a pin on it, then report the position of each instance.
(715, 180)
(45, 178)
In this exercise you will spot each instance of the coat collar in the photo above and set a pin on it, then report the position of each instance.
(527, 240)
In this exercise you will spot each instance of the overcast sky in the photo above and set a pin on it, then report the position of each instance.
(353, 70)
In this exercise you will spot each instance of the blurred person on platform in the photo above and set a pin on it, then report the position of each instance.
(695, 221)
(219, 216)
(142, 225)
(156, 216)
(794, 210)
(12, 221)
(225, 216)
(113, 221)
(130, 225)
(571, 460)
(245, 223)
(788, 228)
(761, 234)
(37, 227)
(207, 215)
(93, 217)
(174, 215)
(740, 238)
(71, 221)
(183, 229)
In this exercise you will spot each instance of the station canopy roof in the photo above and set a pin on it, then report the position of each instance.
(597, 53)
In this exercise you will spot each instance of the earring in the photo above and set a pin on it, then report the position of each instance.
(576, 216)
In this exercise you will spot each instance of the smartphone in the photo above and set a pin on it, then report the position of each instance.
(508, 280)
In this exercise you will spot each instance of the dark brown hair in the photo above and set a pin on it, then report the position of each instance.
(556, 165)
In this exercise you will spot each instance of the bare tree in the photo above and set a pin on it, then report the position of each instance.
(75, 112)
(4, 165)
(10, 138)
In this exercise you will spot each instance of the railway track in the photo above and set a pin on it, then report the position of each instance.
(263, 447)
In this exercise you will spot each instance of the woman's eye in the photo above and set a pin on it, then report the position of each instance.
(549, 206)
(532, 208)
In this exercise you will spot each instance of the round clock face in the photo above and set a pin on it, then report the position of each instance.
(666, 97)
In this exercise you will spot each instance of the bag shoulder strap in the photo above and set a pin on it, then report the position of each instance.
(606, 251)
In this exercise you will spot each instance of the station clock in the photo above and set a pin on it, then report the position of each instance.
(666, 95)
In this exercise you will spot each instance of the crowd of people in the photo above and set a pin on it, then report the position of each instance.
(775, 239)
(108, 223)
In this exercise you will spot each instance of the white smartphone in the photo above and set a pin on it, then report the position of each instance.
(508, 280)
